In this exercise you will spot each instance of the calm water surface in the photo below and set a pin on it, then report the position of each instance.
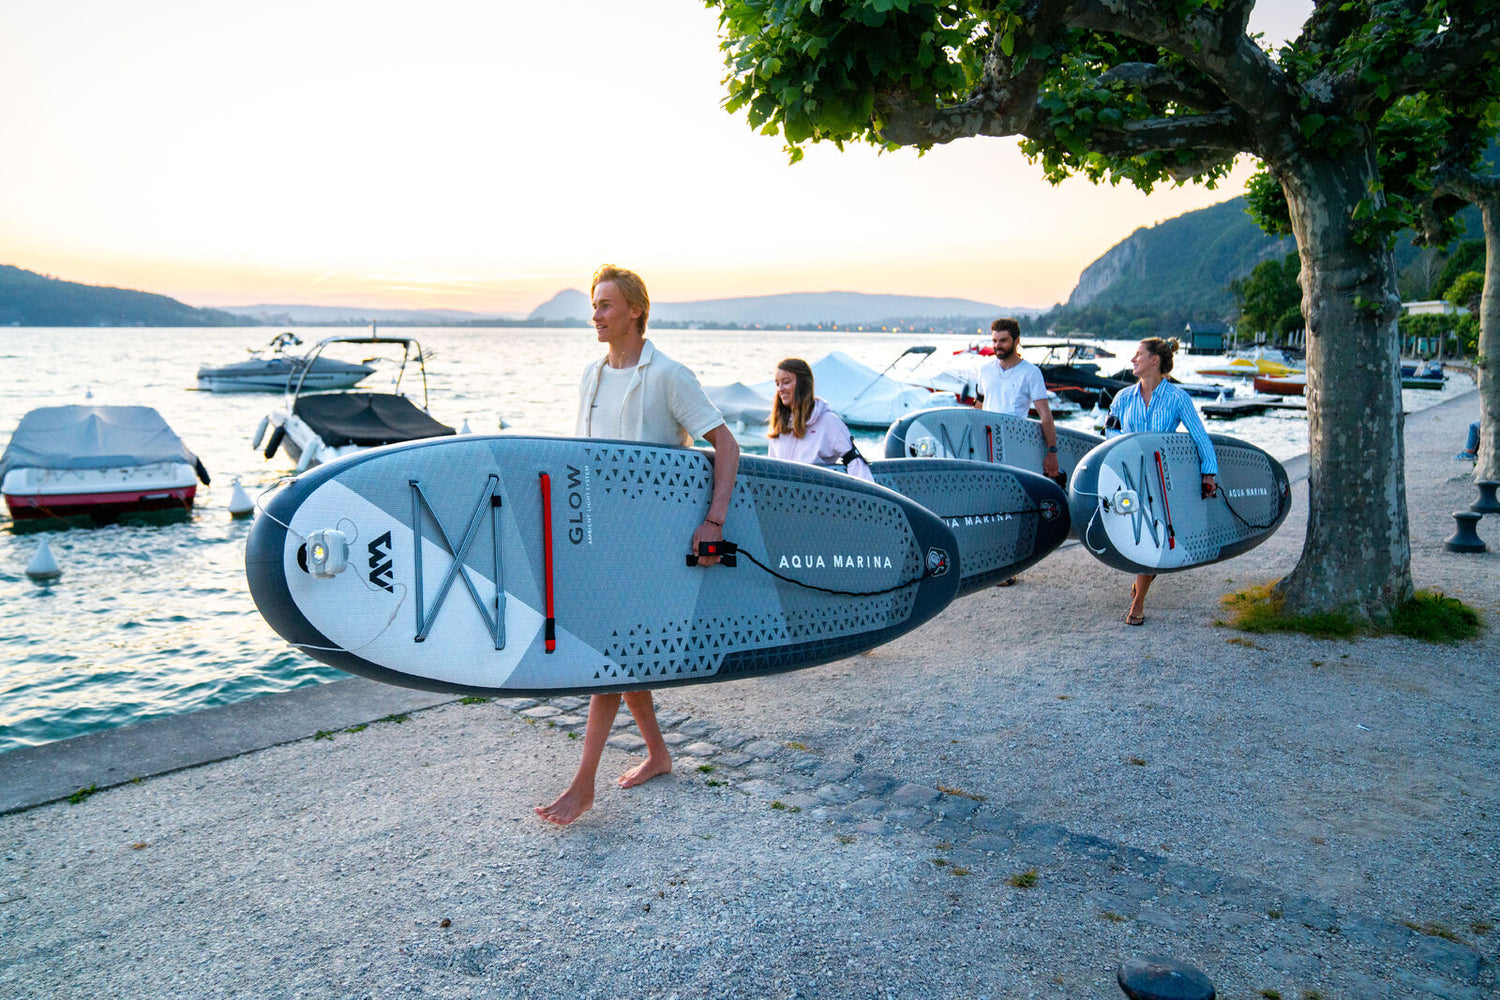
(153, 621)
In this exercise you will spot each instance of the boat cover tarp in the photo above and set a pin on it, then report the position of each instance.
(740, 403)
(864, 397)
(860, 395)
(92, 437)
(367, 419)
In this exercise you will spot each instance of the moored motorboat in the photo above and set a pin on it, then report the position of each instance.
(318, 427)
(1069, 370)
(1281, 385)
(1250, 368)
(1059, 406)
(274, 373)
(1422, 375)
(97, 463)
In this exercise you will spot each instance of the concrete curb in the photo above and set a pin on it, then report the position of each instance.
(35, 776)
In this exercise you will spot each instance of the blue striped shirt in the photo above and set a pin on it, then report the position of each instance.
(1170, 406)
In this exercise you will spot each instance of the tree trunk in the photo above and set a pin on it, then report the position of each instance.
(1488, 465)
(1356, 557)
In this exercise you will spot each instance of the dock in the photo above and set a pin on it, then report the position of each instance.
(1231, 409)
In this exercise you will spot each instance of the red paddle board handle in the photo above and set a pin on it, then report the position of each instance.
(1161, 477)
(989, 437)
(550, 636)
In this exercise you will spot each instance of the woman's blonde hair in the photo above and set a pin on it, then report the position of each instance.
(630, 285)
(1163, 349)
(793, 418)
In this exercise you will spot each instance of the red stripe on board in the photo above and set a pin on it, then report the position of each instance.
(550, 636)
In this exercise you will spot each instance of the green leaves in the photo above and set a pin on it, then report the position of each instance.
(811, 69)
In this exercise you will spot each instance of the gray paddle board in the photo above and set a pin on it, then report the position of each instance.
(980, 436)
(448, 577)
(1005, 519)
(1137, 502)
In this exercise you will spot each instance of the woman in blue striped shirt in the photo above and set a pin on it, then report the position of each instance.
(1154, 404)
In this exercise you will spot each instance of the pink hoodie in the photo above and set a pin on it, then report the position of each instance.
(826, 441)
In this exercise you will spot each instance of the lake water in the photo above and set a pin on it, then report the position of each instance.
(153, 621)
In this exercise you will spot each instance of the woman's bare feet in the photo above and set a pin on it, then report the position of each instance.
(1136, 614)
(570, 805)
(643, 772)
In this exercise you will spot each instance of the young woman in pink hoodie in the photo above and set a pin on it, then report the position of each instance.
(804, 428)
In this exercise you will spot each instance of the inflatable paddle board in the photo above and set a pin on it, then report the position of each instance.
(524, 566)
(980, 436)
(1137, 502)
(1005, 519)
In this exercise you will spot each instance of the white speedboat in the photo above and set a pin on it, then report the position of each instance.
(96, 463)
(318, 427)
(276, 372)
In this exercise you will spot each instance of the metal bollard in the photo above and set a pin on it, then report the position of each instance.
(1465, 538)
(1155, 978)
(1487, 503)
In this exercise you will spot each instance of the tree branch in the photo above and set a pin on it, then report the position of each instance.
(1212, 41)
(1447, 57)
(1198, 143)
(1157, 84)
(1472, 187)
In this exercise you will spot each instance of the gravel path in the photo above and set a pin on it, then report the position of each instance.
(1290, 815)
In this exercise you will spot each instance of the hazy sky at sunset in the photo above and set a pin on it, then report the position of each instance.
(483, 155)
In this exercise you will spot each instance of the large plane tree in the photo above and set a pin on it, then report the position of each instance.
(1154, 91)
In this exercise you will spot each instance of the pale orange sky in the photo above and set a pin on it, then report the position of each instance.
(482, 156)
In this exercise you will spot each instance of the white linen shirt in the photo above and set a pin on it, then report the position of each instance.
(663, 404)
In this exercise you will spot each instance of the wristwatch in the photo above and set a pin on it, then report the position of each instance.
(1052, 449)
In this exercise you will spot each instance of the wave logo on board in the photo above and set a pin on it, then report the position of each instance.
(380, 562)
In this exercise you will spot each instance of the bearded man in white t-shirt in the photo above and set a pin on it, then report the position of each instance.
(1011, 384)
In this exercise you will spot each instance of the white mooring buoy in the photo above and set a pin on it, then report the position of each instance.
(43, 567)
(239, 501)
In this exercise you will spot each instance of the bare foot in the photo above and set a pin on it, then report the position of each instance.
(645, 771)
(570, 805)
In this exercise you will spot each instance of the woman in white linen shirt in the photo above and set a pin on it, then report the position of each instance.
(805, 429)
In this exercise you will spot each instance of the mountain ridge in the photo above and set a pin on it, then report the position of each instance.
(31, 299)
(840, 307)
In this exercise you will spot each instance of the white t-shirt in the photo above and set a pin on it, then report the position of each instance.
(609, 403)
(1011, 390)
(662, 402)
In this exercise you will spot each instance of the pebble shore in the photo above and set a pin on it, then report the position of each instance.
(1008, 802)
